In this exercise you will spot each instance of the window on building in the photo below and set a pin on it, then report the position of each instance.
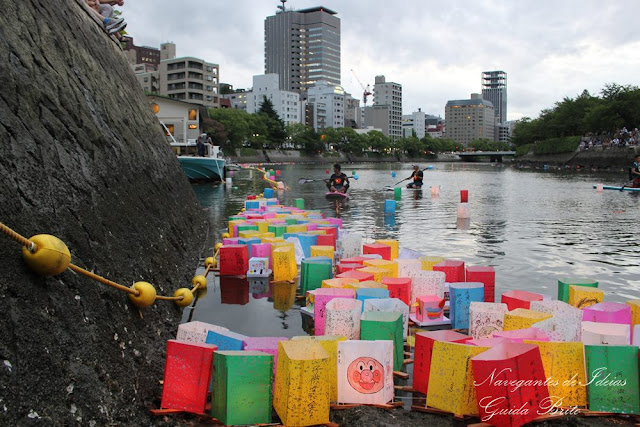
(193, 114)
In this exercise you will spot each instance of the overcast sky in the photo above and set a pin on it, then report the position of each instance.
(436, 50)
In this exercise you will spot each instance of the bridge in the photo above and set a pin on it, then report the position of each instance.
(494, 156)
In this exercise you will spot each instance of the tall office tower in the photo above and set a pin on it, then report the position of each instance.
(494, 89)
(388, 96)
(302, 47)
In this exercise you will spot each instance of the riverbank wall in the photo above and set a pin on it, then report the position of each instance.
(329, 157)
(82, 158)
(595, 158)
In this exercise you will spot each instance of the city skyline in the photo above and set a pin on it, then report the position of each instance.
(550, 50)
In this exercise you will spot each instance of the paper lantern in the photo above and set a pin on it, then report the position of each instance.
(378, 273)
(399, 287)
(378, 249)
(342, 317)
(462, 294)
(563, 286)
(321, 299)
(521, 318)
(365, 284)
(313, 271)
(606, 333)
(330, 344)
(485, 318)
(258, 267)
(343, 267)
(267, 345)
(451, 386)
(485, 275)
(430, 308)
(355, 260)
(423, 351)
(371, 293)
(519, 335)
(338, 282)
(360, 276)
(378, 325)
(395, 246)
(427, 283)
(389, 207)
(566, 323)
(187, 372)
(233, 226)
(608, 312)
(278, 229)
(408, 266)
(509, 406)
(635, 311)
(365, 372)
(323, 251)
(519, 299)
(487, 342)
(234, 260)
(262, 250)
(306, 241)
(301, 394)
(242, 382)
(584, 296)
(196, 331)
(392, 305)
(234, 290)
(226, 340)
(427, 262)
(284, 263)
(259, 287)
(326, 240)
(453, 270)
(612, 375)
(564, 363)
(350, 245)
(390, 266)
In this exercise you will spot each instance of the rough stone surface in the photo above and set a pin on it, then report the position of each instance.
(82, 157)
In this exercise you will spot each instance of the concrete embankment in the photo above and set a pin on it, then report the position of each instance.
(295, 156)
(612, 159)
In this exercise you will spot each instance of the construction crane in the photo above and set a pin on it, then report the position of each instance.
(366, 92)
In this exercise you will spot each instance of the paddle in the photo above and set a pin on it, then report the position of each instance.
(305, 180)
(390, 188)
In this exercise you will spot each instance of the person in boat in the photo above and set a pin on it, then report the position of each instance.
(416, 177)
(338, 182)
(635, 173)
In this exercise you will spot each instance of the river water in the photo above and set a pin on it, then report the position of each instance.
(533, 226)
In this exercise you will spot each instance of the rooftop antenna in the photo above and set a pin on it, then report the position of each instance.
(282, 7)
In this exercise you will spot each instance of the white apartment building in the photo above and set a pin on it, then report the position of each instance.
(414, 122)
(329, 105)
(287, 104)
(387, 105)
(238, 100)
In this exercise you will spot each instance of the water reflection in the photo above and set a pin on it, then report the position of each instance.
(234, 290)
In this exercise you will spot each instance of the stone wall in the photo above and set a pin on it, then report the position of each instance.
(83, 158)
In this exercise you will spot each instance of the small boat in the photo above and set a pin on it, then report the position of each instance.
(336, 195)
(211, 167)
(231, 166)
(610, 187)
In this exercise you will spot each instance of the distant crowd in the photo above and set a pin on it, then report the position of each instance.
(619, 139)
(113, 24)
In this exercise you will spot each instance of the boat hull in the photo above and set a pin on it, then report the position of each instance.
(202, 168)
(610, 187)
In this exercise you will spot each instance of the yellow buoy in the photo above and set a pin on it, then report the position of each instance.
(210, 262)
(226, 235)
(242, 210)
(217, 246)
(146, 296)
(51, 256)
(187, 297)
(199, 280)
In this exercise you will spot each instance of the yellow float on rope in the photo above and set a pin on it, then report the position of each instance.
(200, 281)
(146, 294)
(217, 246)
(187, 297)
(51, 255)
(210, 262)
(226, 235)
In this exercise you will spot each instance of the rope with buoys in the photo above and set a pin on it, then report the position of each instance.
(49, 256)
(274, 184)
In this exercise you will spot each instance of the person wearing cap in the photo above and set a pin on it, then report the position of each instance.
(416, 178)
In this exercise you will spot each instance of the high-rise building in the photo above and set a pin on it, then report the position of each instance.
(387, 106)
(470, 119)
(302, 47)
(494, 90)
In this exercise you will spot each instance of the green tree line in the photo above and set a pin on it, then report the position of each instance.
(616, 107)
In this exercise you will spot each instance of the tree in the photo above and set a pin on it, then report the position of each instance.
(275, 133)
(377, 141)
(237, 124)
